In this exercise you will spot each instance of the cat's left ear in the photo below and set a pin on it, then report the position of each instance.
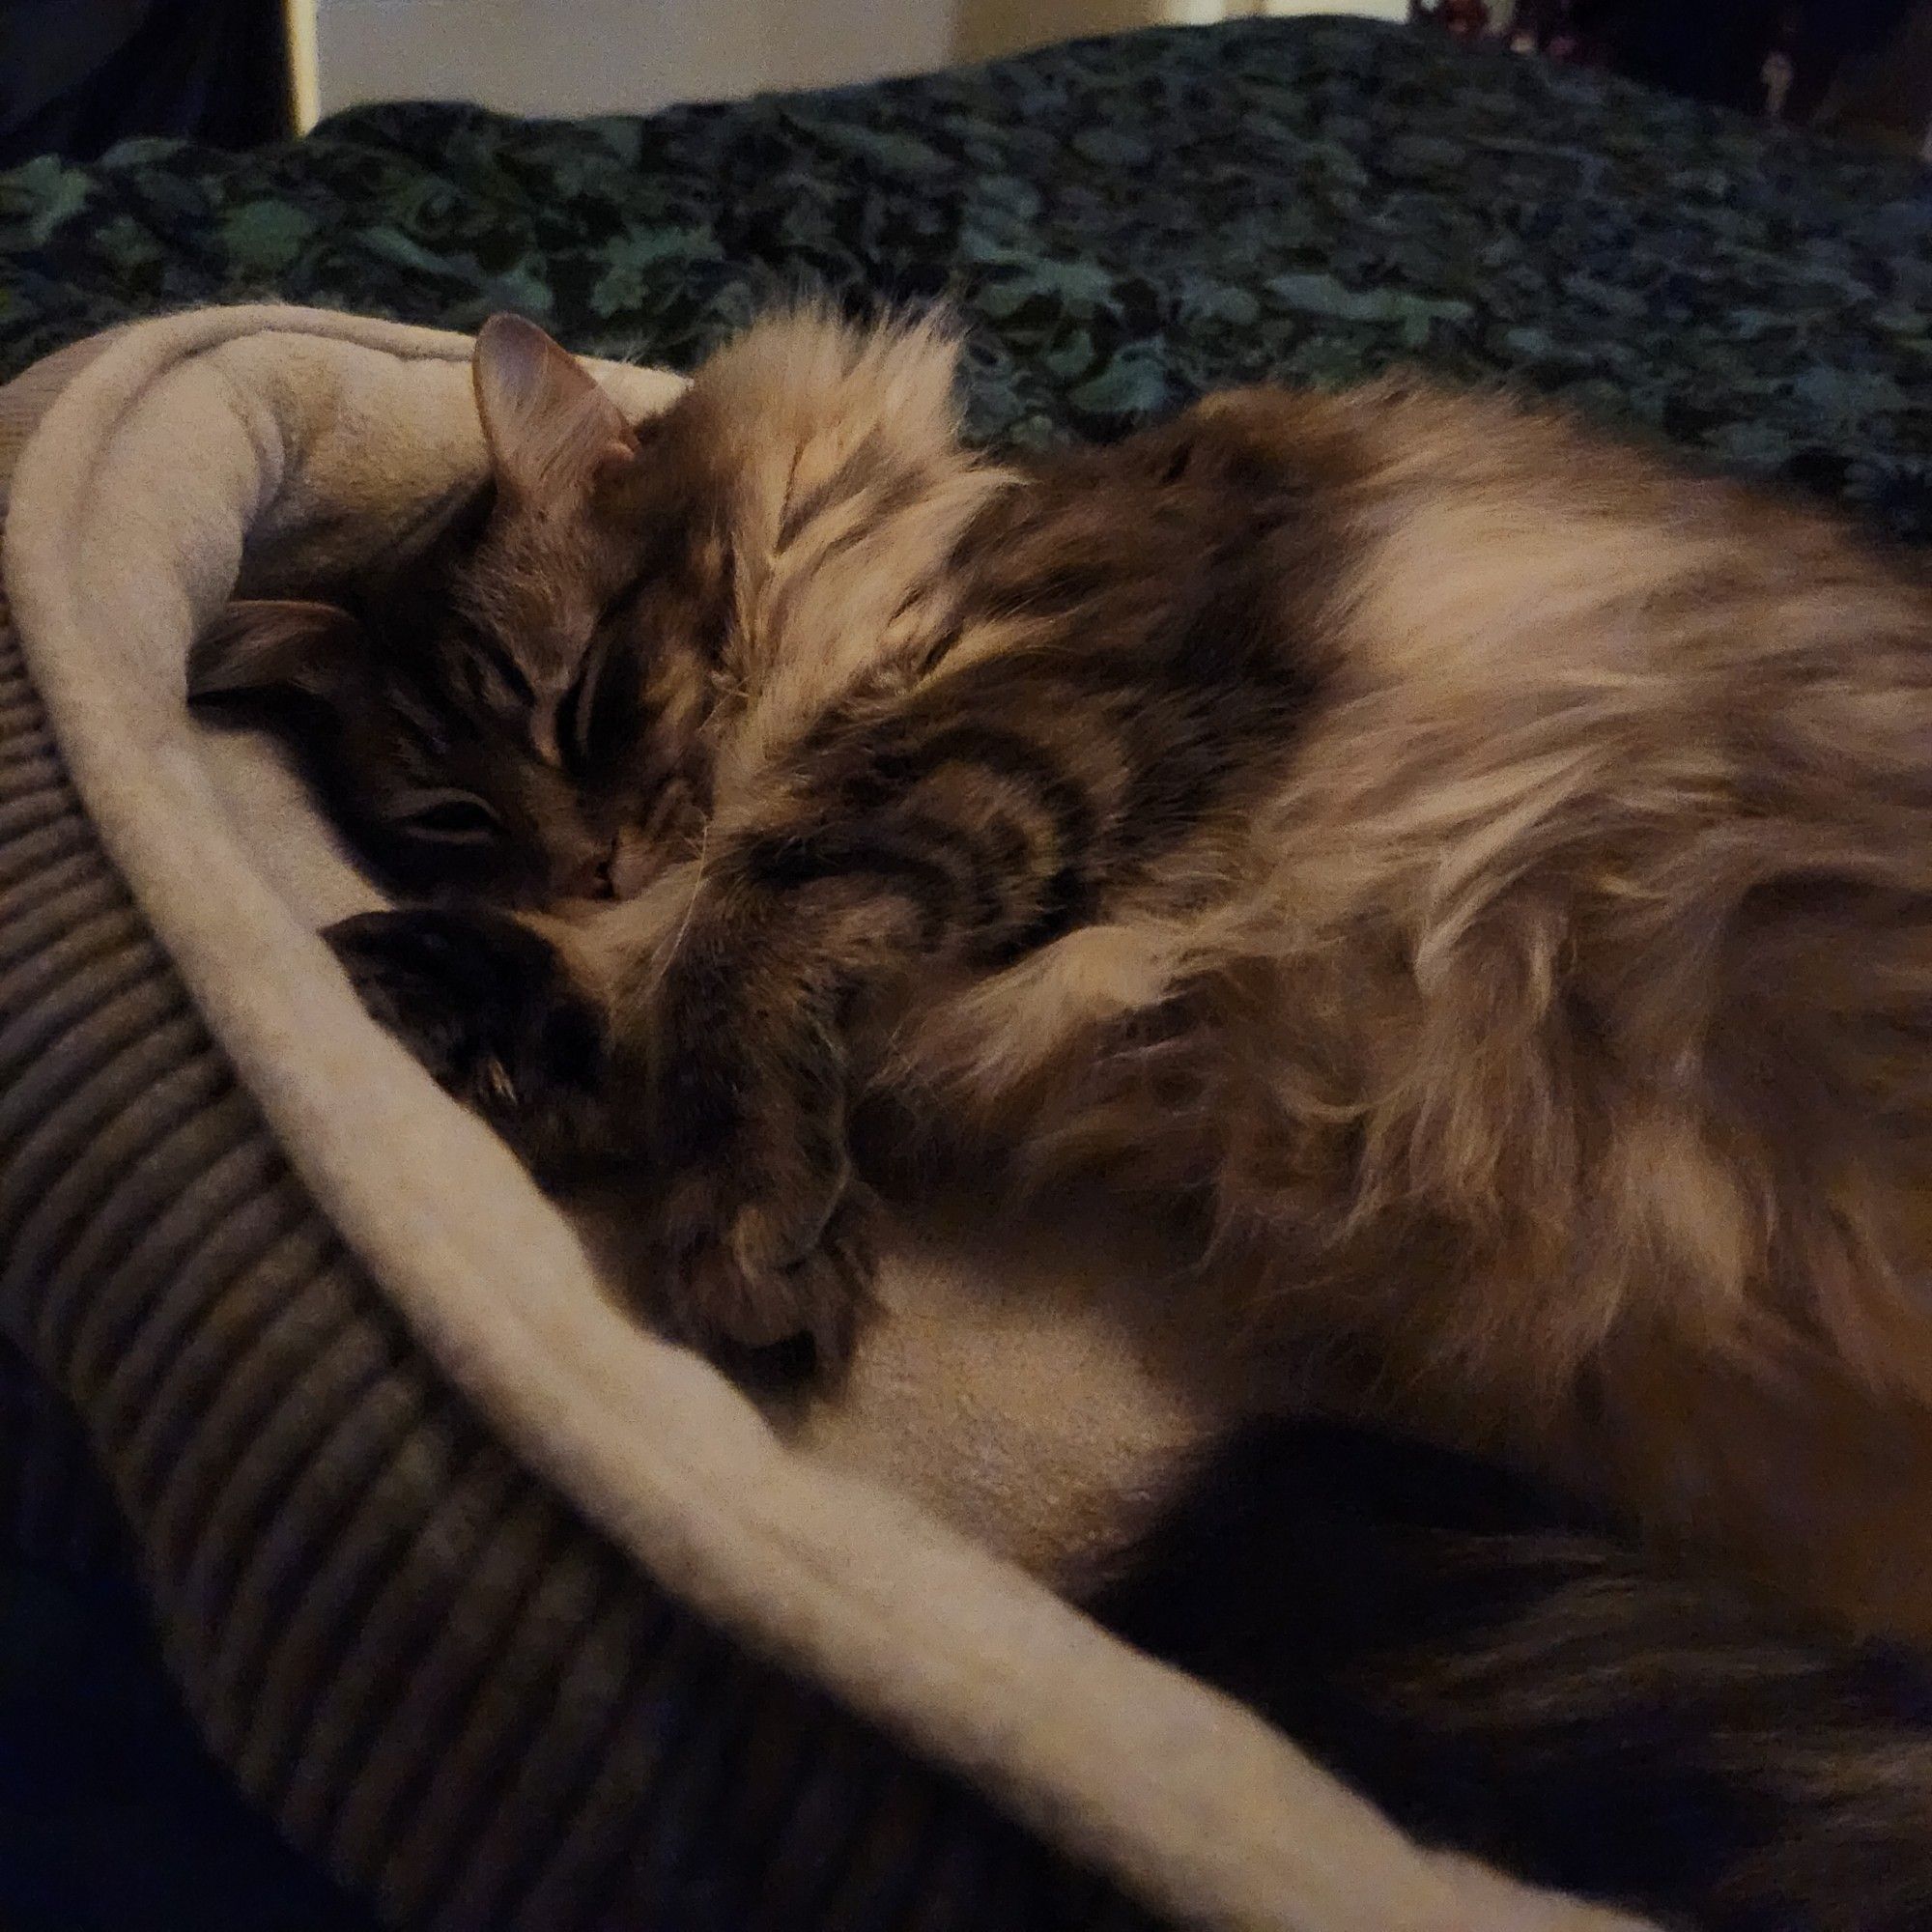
(550, 427)
(273, 646)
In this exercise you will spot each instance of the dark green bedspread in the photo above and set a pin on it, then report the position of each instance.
(1123, 222)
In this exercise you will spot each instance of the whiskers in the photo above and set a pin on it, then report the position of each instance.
(677, 938)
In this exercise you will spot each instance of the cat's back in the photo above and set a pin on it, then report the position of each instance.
(1484, 545)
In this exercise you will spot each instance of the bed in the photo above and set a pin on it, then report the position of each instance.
(1121, 224)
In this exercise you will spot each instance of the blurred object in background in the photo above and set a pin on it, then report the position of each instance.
(1465, 19)
(1861, 66)
(77, 75)
(1879, 89)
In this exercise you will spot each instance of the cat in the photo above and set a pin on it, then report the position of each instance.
(1540, 1696)
(1477, 878)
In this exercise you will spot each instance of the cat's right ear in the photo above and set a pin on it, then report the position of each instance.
(268, 647)
(551, 429)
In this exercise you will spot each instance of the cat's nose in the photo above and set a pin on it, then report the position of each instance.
(622, 869)
(591, 879)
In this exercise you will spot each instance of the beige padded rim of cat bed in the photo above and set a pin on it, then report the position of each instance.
(435, 1534)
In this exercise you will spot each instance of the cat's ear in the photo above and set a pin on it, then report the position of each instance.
(273, 646)
(550, 427)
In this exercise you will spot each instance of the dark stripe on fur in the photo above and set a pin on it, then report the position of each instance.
(896, 856)
(1056, 895)
(482, 650)
(871, 820)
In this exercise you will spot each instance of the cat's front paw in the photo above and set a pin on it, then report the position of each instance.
(487, 1006)
(746, 1274)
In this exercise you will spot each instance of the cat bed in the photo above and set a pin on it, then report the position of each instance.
(509, 1612)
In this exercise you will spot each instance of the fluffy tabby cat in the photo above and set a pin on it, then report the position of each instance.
(1483, 879)
(1480, 879)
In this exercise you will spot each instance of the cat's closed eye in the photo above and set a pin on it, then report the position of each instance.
(455, 819)
(574, 714)
(598, 716)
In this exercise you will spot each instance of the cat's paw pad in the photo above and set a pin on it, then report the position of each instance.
(739, 1296)
(486, 1005)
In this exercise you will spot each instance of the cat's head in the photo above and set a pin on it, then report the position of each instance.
(536, 709)
(516, 714)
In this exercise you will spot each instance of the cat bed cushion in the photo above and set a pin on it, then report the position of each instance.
(512, 1613)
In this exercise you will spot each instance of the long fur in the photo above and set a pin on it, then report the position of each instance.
(1565, 1008)
(1477, 879)
(1481, 878)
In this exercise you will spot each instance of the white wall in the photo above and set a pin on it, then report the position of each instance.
(613, 56)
